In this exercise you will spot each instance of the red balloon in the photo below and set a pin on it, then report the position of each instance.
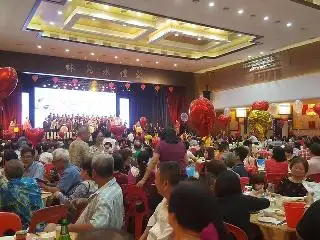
(201, 116)
(8, 81)
(316, 108)
(117, 130)
(143, 122)
(34, 135)
(260, 105)
(61, 134)
(225, 120)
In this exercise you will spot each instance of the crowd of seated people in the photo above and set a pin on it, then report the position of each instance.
(89, 178)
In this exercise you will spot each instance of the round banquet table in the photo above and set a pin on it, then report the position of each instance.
(272, 231)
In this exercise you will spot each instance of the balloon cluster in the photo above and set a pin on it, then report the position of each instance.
(34, 135)
(117, 130)
(224, 119)
(143, 122)
(201, 116)
(259, 120)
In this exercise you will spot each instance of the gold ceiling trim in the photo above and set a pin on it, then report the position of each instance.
(300, 44)
(145, 33)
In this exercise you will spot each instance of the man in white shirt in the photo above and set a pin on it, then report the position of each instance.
(314, 161)
(167, 176)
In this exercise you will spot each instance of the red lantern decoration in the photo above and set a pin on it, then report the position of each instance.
(201, 116)
(7, 134)
(74, 82)
(225, 120)
(143, 86)
(260, 105)
(127, 85)
(111, 85)
(35, 78)
(170, 89)
(143, 122)
(34, 135)
(316, 108)
(8, 81)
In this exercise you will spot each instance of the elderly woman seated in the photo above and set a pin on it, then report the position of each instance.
(83, 189)
(20, 195)
(70, 176)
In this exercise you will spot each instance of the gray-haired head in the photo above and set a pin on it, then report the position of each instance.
(229, 159)
(14, 169)
(61, 153)
(103, 164)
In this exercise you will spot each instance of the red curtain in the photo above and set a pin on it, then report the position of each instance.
(176, 103)
(10, 108)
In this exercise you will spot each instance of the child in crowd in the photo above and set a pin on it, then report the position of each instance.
(258, 184)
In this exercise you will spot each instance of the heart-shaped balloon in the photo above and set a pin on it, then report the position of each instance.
(35, 78)
(143, 122)
(8, 81)
(34, 135)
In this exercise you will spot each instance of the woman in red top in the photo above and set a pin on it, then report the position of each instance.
(278, 163)
(170, 148)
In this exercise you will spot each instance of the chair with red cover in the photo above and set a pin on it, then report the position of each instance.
(9, 223)
(49, 215)
(136, 206)
(237, 232)
(275, 178)
(315, 177)
(244, 181)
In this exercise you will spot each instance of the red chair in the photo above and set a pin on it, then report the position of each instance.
(136, 206)
(49, 215)
(10, 222)
(315, 177)
(237, 232)
(244, 181)
(275, 178)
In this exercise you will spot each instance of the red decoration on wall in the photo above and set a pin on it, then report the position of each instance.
(74, 82)
(35, 78)
(111, 85)
(157, 88)
(201, 116)
(55, 80)
(260, 105)
(170, 89)
(304, 109)
(143, 86)
(127, 85)
(8, 81)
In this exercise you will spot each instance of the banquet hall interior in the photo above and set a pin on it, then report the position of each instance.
(149, 119)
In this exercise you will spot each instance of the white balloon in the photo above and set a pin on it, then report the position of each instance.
(227, 112)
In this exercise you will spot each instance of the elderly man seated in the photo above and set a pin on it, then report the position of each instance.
(70, 176)
(20, 195)
(104, 208)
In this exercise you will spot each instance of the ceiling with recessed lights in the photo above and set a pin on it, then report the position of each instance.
(118, 27)
(178, 35)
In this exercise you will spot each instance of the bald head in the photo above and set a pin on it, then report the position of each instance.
(14, 169)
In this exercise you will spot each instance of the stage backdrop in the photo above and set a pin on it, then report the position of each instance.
(159, 103)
